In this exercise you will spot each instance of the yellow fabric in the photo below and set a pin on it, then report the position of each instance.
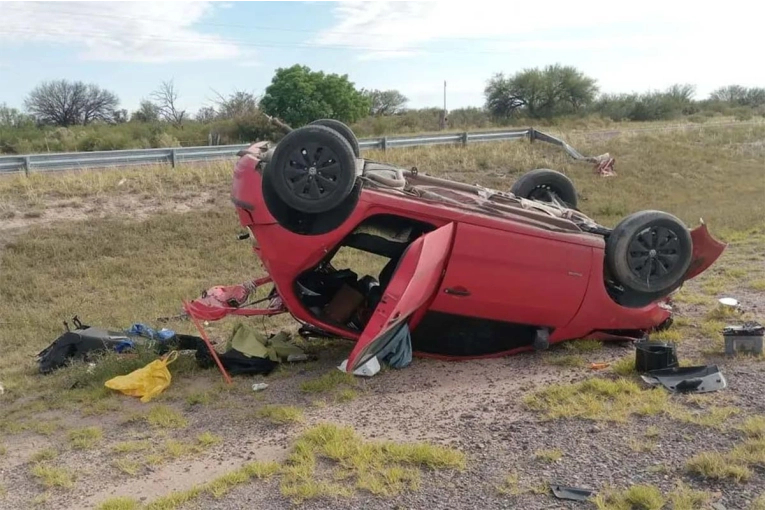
(146, 382)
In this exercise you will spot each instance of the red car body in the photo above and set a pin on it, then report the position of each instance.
(514, 269)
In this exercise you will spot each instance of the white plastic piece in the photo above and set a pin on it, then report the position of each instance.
(728, 301)
(368, 369)
(259, 386)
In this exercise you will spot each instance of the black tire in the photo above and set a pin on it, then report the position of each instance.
(344, 130)
(542, 183)
(312, 169)
(649, 252)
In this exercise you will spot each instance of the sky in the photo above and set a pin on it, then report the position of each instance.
(130, 48)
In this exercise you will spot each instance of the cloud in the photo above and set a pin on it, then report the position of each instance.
(398, 29)
(152, 32)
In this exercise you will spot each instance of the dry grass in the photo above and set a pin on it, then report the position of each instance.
(566, 360)
(131, 446)
(548, 455)
(642, 497)
(754, 427)
(44, 454)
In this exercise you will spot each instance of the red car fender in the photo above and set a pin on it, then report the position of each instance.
(706, 250)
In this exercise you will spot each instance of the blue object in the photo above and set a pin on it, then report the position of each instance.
(147, 332)
(398, 352)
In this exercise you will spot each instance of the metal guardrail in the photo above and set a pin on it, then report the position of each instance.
(49, 162)
(105, 159)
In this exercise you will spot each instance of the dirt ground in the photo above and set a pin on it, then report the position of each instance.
(91, 448)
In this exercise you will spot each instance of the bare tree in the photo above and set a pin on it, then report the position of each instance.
(385, 102)
(166, 100)
(206, 114)
(65, 103)
(237, 104)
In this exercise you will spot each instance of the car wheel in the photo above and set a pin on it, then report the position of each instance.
(545, 185)
(649, 252)
(313, 169)
(344, 130)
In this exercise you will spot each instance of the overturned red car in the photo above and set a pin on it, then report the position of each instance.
(358, 249)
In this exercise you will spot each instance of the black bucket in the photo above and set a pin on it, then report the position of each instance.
(654, 356)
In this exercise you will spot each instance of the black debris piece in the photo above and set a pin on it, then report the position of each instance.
(571, 493)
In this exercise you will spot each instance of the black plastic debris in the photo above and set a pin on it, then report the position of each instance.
(700, 379)
(571, 493)
(652, 355)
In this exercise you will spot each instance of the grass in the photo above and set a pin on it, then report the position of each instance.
(649, 497)
(549, 455)
(131, 446)
(128, 466)
(198, 398)
(625, 366)
(380, 468)
(637, 497)
(162, 416)
(85, 438)
(754, 427)
(641, 446)
(52, 476)
(566, 360)
(281, 414)
(717, 466)
(652, 432)
(44, 454)
(758, 504)
(714, 417)
(597, 399)
(328, 382)
(217, 487)
(207, 439)
(585, 345)
(120, 503)
(3, 450)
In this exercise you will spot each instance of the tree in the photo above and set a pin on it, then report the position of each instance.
(206, 114)
(120, 116)
(65, 103)
(147, 112)
(13, 118)
(166, 101)
(738, 95)
(238, 104)
(554, 90)
(385, 102)
(298, 96)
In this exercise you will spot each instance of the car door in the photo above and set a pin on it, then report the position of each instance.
(414, 282)
(513, 277)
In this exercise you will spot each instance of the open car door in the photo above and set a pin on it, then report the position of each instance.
(414, 281)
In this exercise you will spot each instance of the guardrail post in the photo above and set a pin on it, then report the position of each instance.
(385, 143)
(172, 157)
(27, 165)
(532, 135)
(465, 138)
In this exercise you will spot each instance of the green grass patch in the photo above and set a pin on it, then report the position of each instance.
(162, 416)
(85, 438)
(281, 414)
(380, 468)
(207, 439)
(131, 446)
(44, 454)
(127, 466)
(120, 503)
(754, 427)
(637, 497)
(53, 476)
(597, 399)
(198, 398)
(757, 284)
(548, 455)
(714, 417)
(585, 345)
(328, 382)
(716, 466)
(625, 366)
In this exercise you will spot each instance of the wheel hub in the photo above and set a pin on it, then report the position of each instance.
(653, 253)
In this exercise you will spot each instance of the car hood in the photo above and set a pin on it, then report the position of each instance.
(706, 250)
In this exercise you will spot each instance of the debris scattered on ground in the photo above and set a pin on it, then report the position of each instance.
(599, 366)
(571, 493)
(652, 355)
(698, 379)
(746, 338)
(146, 382)
(259, 386)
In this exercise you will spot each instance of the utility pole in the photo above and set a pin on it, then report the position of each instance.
(442, 120)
